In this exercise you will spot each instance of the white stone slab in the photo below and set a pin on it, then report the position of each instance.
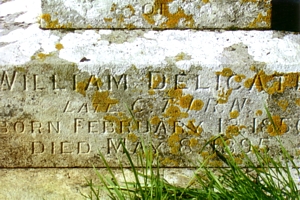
(59, 114)
(157, 14)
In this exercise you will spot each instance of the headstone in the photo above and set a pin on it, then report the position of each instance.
(66, 94)
(157, 14)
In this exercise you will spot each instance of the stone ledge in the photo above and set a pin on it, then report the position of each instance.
(156, 14)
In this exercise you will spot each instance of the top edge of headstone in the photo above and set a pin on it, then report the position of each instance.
(156, 14)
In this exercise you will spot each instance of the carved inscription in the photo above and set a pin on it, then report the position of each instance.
(55, 118)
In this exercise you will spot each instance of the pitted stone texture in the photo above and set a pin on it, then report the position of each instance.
(55, 115)
(157, 14)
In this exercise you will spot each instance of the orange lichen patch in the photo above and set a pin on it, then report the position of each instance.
(291, 79)
(279, 127)
(59, 46)
(238, 160)
(266, 18)
(42, 56)
(234, 114)
(151, 92)
(212, 159)
(101, 101)
(156, 80)
(205, 1)
(131, 8)
(193, 142)
(53, 24)
(174, 113)
(283, 104)
(227, 72)
(172, 19)
(130, 26)
(108, 20)
(270, 84)
(197, 105)
(121, 123)
(259, 113)
(155, 120)
(174, 143)
(238, 78)
(253, 68)
(82, 86)
(169, 162)
(182, 56)
(113, 7)
(132, 137)
(297, 101)
(192, 129)
(223, 96)
(175, 93)
(233, 130)
(185, 101)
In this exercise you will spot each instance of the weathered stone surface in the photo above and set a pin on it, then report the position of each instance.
(59, 116)
(158, 14)
(55, 183)
(242, 65)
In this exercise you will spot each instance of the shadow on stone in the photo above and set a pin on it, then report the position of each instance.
(285, 15)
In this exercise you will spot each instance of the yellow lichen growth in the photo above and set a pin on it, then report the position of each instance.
(223, 96)
(283, 104)
(175, 93)
(269, 84)
(151, 92)
(53, 24)
(156, 80)
(169, 162)
(253, 68)
(239, 78)
(226, 72)
(266, 18)
(279, 127)
(238, 160)
(192, 129)
(121, 123)
(174, 113)
(101, 101)
(182, 56)
(233, 130)
(155, 120)
(234, 114)
(193, 142)
(205, 1)
(172, 19)
(297, 101)
(131, 8)
(113, 7)
(174, 143)
(82, 86)
(258, 113)
(108, 20)
(42, 56)
(132, 137)
(212, 159)
(59, 46)
(197, 105)
(185, 101)
(130, 26)
(291, 79)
